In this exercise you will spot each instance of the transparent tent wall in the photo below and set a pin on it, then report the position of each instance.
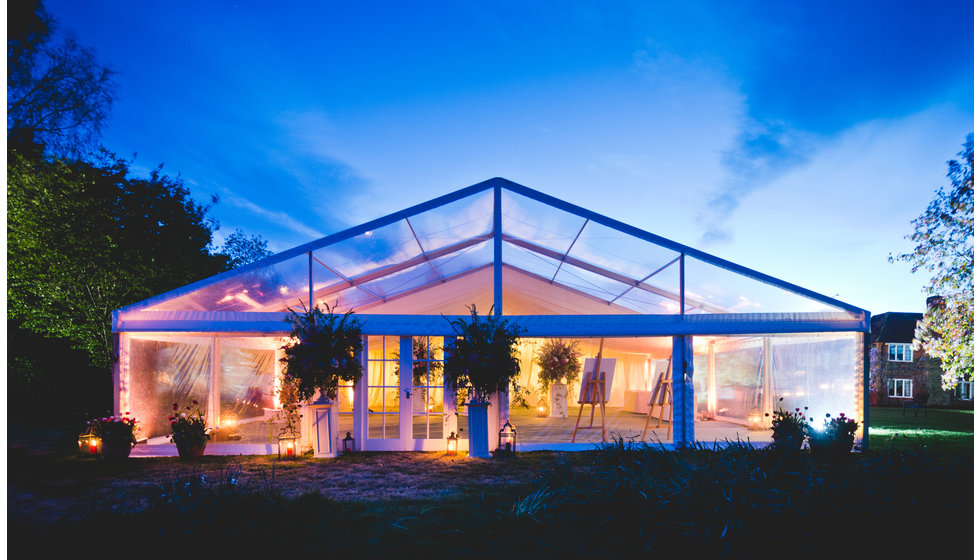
(164, 371)
(238, 397)
(736, 378)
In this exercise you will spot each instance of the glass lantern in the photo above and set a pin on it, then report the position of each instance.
(452, 444)
(542, 409)
(89, 443)
(755, 419)
(348, 443)
(288, 445)
(507, 439)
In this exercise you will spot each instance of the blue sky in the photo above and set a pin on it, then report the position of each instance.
(798, 139)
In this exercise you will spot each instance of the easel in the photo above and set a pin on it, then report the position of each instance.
(594, 390)
(662, 396)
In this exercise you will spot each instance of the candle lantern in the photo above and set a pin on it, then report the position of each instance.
(452, 443)
(507, 439)
(348, 443)
(755, 419)
(89, 443)
(288, 444)
(542, 409)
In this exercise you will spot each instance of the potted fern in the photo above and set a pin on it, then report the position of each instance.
(484, 359)
(323, 350)
(560, 368)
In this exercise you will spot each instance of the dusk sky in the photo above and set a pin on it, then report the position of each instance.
(798, 139)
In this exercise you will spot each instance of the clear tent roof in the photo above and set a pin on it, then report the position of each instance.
(547, 256)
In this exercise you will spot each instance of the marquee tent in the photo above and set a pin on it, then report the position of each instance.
(740, 343)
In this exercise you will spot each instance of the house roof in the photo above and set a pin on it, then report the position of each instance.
(894, 327)
(500, 244)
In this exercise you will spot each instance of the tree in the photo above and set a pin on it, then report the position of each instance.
(242, 249)
(943, 240)
(58, 95)
(84, 239)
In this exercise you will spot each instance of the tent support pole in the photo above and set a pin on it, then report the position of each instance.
(683, 390)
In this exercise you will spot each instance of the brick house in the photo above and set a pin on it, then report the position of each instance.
(900, 374)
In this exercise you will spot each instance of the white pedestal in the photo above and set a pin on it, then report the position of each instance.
(323, 429)
(558, 400)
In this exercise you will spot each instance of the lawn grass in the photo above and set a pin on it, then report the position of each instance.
(942, 430)
(618, 500)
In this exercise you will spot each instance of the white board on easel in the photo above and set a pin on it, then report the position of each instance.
(608, 365)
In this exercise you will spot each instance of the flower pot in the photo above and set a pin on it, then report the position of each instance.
(559, 400)
(190, 449)
(478, 429)
(114, 449)
(831, 449)
(787, 442)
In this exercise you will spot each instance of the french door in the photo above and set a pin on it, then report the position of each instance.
(404, 405)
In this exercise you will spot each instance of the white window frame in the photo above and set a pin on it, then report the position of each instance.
(964, 390)
(899, 352)
(906, 388)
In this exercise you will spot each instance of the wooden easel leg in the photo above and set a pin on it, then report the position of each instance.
(646, 424)
(577, 420)
(602, 410)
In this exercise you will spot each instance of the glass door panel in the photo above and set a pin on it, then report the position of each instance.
(383, 395)
(426, 413)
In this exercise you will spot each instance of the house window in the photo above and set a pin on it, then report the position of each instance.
(964, 390)
(899, 352)
(900, 388)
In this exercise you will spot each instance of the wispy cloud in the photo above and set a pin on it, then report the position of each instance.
(282, 218)
(762, 153)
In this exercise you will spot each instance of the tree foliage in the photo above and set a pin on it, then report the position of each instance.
(84, 239)
(943, 240)
(58, 94)
(242, 249)
(324, 350)
(484, 355)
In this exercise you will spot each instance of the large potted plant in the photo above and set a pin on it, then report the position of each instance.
(189, 431)
(323, 350)
(789, 429)
(484, 358)
(836, 440)
(560, 368)
(118, 435)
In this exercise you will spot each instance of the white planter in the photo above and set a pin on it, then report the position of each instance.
(322, 426)
(558, 400)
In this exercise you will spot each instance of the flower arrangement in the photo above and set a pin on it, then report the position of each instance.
(837, 436)
(558, 361)
(188, 426)
(324, 349)
(116, 429)
(789, 429)
(484, 356)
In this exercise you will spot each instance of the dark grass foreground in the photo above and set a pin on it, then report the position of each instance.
(622, 499)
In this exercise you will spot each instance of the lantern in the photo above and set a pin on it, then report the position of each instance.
(452, 443)
(507, 439)
(542, 409)
(89, 443)
(288, 444)
(755, 419)
(348, 443)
